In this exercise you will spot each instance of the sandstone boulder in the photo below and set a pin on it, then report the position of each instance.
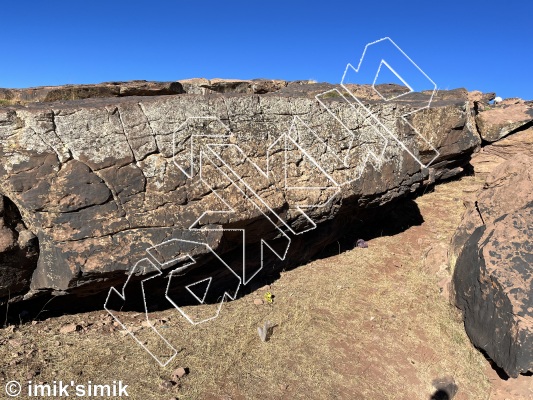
(497, 122)
(493, 281)
(480, 98)
(508, 188)
(492, 155)
(492, 252)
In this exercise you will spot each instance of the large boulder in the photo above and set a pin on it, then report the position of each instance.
(492, 253)
(104, 183)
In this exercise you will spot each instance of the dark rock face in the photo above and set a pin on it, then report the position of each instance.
(18, 251)
(490, 156)
(493, 281)
(493, 278)
(101, 181)
(141, 88)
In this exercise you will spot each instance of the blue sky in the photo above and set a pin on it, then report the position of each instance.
(486, 45)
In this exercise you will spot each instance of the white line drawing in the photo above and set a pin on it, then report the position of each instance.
(134, 270)
(373, 116)
(369, 156)
(190, 262)
(383, 62)
(202, 152)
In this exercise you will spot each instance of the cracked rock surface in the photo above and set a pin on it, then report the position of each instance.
(492, 253)
(98, 181)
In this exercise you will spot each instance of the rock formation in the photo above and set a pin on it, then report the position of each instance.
(215, 183)
(497, 122)
(493, 276)
(491, 251)
(105, 183)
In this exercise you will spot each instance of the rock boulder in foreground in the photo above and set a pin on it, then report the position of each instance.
(493, 256)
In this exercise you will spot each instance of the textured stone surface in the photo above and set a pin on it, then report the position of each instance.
(256, 86)
(490, 156)
(18, 251)
(492, 254)
(499, 121)
(100, 90)
(493, 281)
(141, 88)
(95, 180)
(507, 188)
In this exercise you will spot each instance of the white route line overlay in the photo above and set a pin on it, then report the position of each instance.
(209, 154)
(403, 117)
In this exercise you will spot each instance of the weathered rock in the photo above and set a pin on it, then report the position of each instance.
(492, 155)
(512, 100)
(497, 122)
(492, 253)
(97, 180)
(141, 88)
(508, 188)
(179, 373)
(493, 282)
(100, 90)
(481, 98)
(18, 252)
(256, 86)
(69, 328)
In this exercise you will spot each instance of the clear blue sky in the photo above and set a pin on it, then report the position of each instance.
(483, 45)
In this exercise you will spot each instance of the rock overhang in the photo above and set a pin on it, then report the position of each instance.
(126, 193)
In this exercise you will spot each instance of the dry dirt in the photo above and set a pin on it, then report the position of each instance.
(368, 323)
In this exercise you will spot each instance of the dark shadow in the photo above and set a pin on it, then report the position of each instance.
(388, 220)
(331, 237)
(440, 395)
(446, 389)
(468, 170)
(501, 373)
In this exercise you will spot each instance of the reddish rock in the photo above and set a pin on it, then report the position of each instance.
(492, 252)
(508, 188)
(493, 281)
(501, 120)
(481, 98)
(490, 156)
